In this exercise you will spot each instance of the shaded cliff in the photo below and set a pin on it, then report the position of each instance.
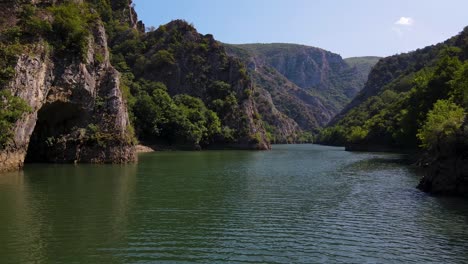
(61, 70)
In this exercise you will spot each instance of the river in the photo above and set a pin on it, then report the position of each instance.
(294, 204)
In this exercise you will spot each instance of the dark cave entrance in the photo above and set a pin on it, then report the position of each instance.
(54, 120)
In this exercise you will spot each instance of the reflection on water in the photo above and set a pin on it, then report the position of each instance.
(56, 212)
(297, 203)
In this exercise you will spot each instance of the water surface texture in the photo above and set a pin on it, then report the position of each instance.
(294, 204)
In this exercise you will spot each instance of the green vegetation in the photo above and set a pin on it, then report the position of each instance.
(8, 58)
(182, 120)
(411, 100)
(11, 110)
(65, 26)
(70, 27)
(175, 96)
(358, 134)
(443, 122)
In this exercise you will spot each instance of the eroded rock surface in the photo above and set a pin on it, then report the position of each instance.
(78, 110)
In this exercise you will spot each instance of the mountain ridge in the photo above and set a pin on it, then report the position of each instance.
(310, 98)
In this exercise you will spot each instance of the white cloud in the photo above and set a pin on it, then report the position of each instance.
(405, 21)
(402, 26)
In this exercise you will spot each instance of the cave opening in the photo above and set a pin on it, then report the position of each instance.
(54, 120)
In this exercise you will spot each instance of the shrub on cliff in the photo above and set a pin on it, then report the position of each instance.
(70, 27)
(66, 26)
(11, 110)
(8, 57)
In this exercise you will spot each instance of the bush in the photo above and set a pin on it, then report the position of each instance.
(335, 135)
(162, 58)
(8, 58)
(11, 110)
(357, 134)
(31, 23)
(442, 123)
(70, 27)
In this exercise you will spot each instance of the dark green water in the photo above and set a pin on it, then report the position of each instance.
(295, 204)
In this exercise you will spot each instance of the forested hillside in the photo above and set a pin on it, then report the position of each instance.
(400, 91)
(182, 88)
(416, 100)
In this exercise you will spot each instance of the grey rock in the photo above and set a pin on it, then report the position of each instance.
(67, 96)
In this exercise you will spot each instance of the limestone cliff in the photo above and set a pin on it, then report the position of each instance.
(319, 72)
(308, 85)
(78, 110)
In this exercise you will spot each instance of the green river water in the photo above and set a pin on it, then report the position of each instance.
(294, 204)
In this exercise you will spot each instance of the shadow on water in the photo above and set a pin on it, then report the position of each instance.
(378, 161)
(64, 208)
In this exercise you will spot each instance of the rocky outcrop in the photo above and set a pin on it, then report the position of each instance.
(124, 11)
(78, 110)
(283, 129)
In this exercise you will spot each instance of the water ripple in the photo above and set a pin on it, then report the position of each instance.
(295, 204)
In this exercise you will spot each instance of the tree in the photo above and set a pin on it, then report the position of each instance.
(442, 123)
(459, 86)
(202, 124)
(357, 134)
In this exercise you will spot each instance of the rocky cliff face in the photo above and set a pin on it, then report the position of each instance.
(78, 111)
(282, 129)
(307, 85)
(315, 70)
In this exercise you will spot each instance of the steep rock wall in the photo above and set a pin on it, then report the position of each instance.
(78, 110)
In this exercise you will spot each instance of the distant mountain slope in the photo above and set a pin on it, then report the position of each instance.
(313, 69)
(363, 65)
(307, 84)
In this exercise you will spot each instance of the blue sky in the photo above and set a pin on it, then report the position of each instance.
(349, 28)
